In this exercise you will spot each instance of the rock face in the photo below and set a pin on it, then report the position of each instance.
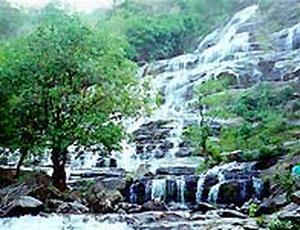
(152, 140)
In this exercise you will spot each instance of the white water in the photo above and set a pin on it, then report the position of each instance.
(74, 222)
(213, 193)
(200, 187)
(181, 190)
(178, 79)
(158, 189)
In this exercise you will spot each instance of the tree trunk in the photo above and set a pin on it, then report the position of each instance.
(24, 153)
(58, 158)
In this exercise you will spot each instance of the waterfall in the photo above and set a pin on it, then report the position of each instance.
(258, 186)
(200, 187)
(181, 190)
(175, 79)
(158, 190)
(213, 193)
(289, 43)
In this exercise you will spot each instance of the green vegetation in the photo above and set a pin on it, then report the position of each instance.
(282, 225)
(286, 182)
(260, 118)
(60, 84)
(165, 28)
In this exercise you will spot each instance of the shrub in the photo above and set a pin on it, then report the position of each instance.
(282, 225)
(286, 182)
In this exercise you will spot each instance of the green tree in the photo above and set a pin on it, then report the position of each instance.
(67, 80)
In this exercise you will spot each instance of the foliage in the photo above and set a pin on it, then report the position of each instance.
(63, 82)
(212, 86)
(165, 28)
(197, 136)
(287, 182)
(277, 224)
(253, 209)
(260, 125)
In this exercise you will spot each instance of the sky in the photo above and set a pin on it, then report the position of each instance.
(78, 5)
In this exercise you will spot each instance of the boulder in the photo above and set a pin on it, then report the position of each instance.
(112, 163)
(105, 194)
(137, 194)
(72, 208)
(234, 192)
(22, 206)
(154, 205)
(129, 208)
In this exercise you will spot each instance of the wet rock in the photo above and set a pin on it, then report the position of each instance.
(137, 194)
(190, 189)
(209, 181)
(22, 206)
(129, 208)
(100, 163)
(53, 204)
(103, 173)
(105, 194)
(112, 162)
(234, 192)
(154, 205)
(104, 202)
(203, 207)
(296, 197)
(171, 190)
(159, 154)
(178, 171)
(142, 170)
(237, 155)
(184, 152)
(72, 208)
(226, 213)
(291, 213)
(273, 203)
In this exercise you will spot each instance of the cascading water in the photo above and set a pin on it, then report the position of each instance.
(230, 183)
(175, 79)
(200, 187)
(181, 190)
(158, 190)
(157, 138)
(213, 193)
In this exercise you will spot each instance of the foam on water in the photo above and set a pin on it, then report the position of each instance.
(56, 222)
